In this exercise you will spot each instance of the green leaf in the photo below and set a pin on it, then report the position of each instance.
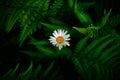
(86, 65)
(27, 30)
(78, 66)
(55, 8)
(98, 71)
(7, 74)
(91, 31)
(46, 51)
(42, 42)
(114, 20)
(93, 44)
(63, 52)
(110, 57)
(26, 72)
(56, 27)
(105, 18)
(71, 3)
(47, 71)
(38, 70)
(86, 4)
(116, 64)
(33, 54)
(11, 73)
(81, 30)
(113, 60)
(81, 44)
(50, 26)
(57, 22)
(14, 71)
(12, 19)
(46, 5)
(109, 53)
(100, 48)
(84, 18)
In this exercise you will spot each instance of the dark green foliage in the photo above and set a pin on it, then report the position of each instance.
(93, 59)
(114, 20)
(105, 18)
(90, 59)
(94, 50)
(30, 15)
(29, 74)
(55, 7)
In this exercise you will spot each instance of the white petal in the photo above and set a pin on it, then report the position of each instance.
(60, 32)
(67, 43)
(60, 46)
(51, 37)
(64, 32)
(67, 39)
(55, 34)
(67, 36)
(53, 41)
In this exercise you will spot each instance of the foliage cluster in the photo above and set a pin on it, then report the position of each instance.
(94, 53)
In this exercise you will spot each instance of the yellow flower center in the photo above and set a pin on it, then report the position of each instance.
(59, 39)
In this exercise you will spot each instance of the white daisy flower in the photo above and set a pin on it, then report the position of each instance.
(60, 38)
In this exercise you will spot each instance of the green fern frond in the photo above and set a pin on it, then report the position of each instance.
(41, 47)
(42, 42)
(46, 51)
(100, 48)
(83, 17)
(95, 43)
(26, 75)
(33, 54)
(57, 4)
(96, 57)
(82, 6)
(114, 61)
(7, 75)
(38, 69)
(27, 30)
(91, 31)
(105, 18)
(14, 71)
(40, 4)
(114, 20)
(57, 22)
(81, 44)
(11, 73)
(81, 30)
(28, 70)
(46, 4)
(12, 19)
(85, 5)
(106, 55)
(55, 7)
(47, 71)
(90, 70)
(50, 26)
(27, 16)
(30, 73)
(78, 66)
(55, 27)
